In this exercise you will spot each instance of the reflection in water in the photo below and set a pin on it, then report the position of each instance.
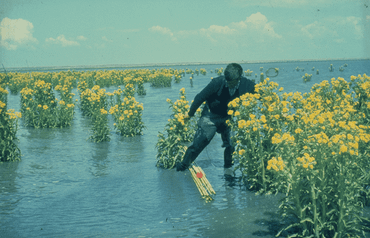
(100, 159)
(10, 196)
(42, 137)
(129, 149)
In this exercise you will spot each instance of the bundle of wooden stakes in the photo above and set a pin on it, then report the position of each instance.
(202, 182)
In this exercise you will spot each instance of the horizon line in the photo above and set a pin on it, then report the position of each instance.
(106, 66)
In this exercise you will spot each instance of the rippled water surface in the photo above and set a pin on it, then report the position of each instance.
(66, 186)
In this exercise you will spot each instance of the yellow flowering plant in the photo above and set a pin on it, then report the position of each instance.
(203, 71)
(189, 71)
(86, 80)
(38, 105)
(94, 104)
(171, 143)
(9, 150)
(140, 86)
(255, 119)
(127, 112)
(306, 77)
(326, 169)
(219, 71)
(361, 89)
(100, 128)
(65, 109)
(17, 81)
(105, 78)
(161, 78)
(316, 149)
(64, 78)
(41, 108)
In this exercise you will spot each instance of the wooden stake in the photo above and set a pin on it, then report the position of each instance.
(202, 183)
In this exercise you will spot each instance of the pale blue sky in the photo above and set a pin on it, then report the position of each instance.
(76, 32)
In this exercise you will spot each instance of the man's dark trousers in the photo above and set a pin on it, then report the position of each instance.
(208, 125)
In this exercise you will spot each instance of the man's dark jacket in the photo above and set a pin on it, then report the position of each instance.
(217, 95)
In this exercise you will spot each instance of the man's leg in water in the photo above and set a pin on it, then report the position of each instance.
(229, 149)
(204, 134)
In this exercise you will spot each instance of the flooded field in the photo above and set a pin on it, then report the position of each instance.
(67, 186)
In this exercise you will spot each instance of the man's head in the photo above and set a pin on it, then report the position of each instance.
(233, 73)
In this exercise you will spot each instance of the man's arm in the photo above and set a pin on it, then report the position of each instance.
(201, 97)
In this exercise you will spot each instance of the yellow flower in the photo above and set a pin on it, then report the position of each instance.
(298, 130)
(263, 118)
(2, 105)
(230, 112)
(45, 107)
(343, 149)
(276, 164)
(241, 152)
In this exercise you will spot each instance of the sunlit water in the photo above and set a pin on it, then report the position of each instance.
(66, 186)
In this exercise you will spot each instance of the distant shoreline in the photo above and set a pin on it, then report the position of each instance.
(110, 66)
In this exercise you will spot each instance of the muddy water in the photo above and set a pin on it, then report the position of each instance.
(66, 186)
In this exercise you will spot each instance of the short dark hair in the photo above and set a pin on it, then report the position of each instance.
(233, 71)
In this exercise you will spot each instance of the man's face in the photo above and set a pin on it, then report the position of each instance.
(232, 83)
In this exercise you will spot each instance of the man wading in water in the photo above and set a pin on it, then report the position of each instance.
(217, 95)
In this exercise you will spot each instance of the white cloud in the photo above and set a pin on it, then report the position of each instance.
(218, 30)
(290, 3)
(215, 32)
(61, 40)
(164, 31)
(355, 23)
(334, 28)
(339, 41)
(257, 23)
(106, 39)
(82, 38)
(15, 33)
(314, 30)
(256, 26)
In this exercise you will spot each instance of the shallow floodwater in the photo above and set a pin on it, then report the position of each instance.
(67, 186)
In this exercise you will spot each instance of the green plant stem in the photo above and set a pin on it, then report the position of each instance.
(323, 199)
(340, 200)
(313, 197)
